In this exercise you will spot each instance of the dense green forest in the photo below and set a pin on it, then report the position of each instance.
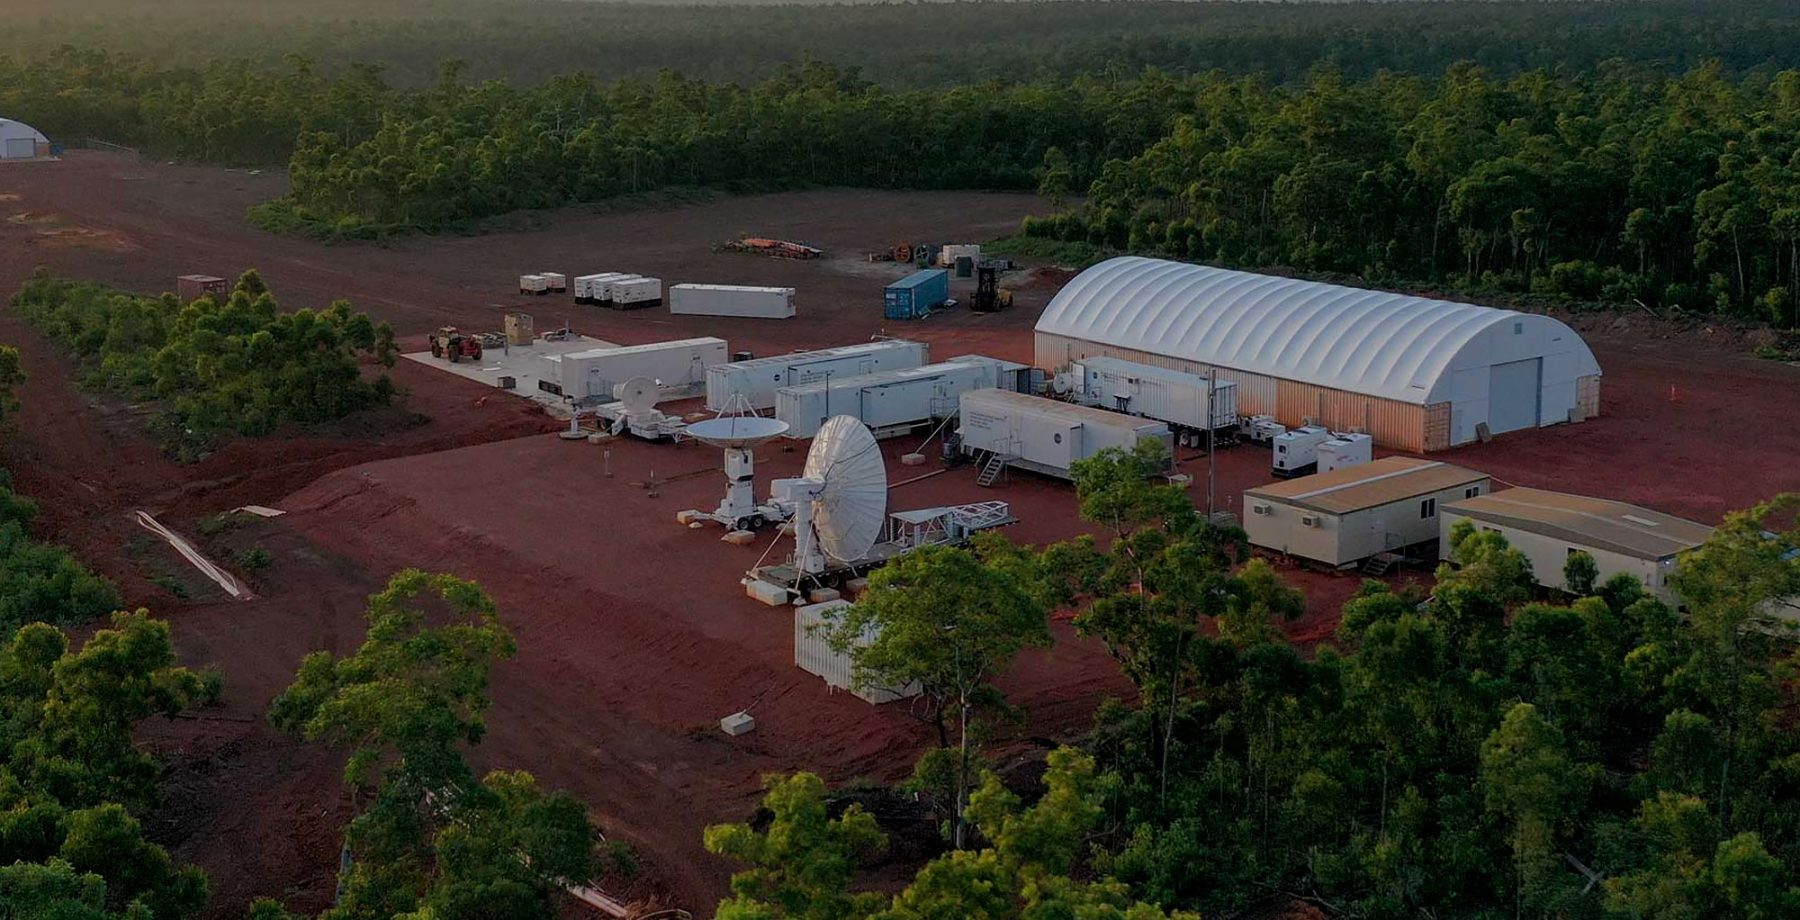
(238, 365)
(1483, 752)
(914, 44)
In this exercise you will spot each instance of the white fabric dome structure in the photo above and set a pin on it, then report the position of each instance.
(1418, 374)
(20, 141)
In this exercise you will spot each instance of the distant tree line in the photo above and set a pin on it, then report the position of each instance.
(238, 365)
(914, 44)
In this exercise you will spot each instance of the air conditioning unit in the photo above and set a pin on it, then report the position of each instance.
(1309, 520)
(1259, 509)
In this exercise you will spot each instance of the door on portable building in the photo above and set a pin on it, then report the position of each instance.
(1515, 394)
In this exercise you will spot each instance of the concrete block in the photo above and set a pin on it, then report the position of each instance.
(739, 537)
(856, 586)
(821, 595)
(773, 595)
(687, 517)
(912, 459)
(738, 723)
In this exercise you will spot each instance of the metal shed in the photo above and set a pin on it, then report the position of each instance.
(1345, 516)
(1418, 374)
(20, 141)
(1548, 527)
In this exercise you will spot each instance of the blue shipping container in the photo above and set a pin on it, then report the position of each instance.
(914, 296)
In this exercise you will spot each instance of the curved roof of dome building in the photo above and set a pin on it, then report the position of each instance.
(1380, 343)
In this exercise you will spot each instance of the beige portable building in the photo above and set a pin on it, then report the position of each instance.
(1548, 527)
(1345, 516)
(1416, 373)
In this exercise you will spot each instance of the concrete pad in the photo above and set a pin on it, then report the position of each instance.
(520, 362)
(773, 595)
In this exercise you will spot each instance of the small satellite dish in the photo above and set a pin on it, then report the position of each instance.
(729, 431)
(638, 394)
(1062, 383)
(851, 502)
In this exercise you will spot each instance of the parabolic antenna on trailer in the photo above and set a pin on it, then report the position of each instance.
(852, 501)
(730, 431)
(638, 394)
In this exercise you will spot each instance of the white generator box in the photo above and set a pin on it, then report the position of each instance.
(757, 379)
(600, 286)
(1297, 451)
(887, 402)
(1346, 450)
(814, 655)
(1047, 435)
(731, 300)
(584, 288)
(1261, 429)
(534, 284)
(1172, 396)
(634, 293)
(738, 723)
(678, 367)
(555, 281)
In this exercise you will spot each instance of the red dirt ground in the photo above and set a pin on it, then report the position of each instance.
(634, 638)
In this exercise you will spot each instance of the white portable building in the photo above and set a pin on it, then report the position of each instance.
(1342, 451)
(757, 379)
(1345, 516)
(20, 141)
(1548, 527)
(1418, 374)
(1172, 396)
(1296, 452)
(1047, 435)
(814, 655)
(888, 402)
(731, 300)
(678, 367)
(634, 293)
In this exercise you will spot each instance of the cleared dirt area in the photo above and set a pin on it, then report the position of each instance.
(634, 635)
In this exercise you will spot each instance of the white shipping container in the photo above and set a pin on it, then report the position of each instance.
(731, 300)
(887, 400)
(635, 293)
(1172, 396)
(757, 379)
(1344, 450)
(1048, 435)
(814, 655)
(678, 367)
(1297, 451)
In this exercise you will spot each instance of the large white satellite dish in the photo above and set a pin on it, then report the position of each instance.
(732, 431)
(638, 395)
(850, 502)
(738, 435)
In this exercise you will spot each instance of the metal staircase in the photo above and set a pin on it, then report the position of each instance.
(992, 469)
(1378, 565)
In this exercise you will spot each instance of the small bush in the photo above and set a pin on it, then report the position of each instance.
(254, 559)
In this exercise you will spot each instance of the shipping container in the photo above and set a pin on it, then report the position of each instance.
(888, 402)
(756, 380)
(193, 287)
(731, 300)
(634, 293)
(814, 655)
(1176, 397)
(916, 295)
(1046, 435)
(678, 367)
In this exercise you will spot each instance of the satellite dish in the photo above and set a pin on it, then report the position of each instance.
(851, 501)
(638, 394)
(731, 431)
(1062, 383)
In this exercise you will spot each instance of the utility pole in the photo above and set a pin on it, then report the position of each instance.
(1212, 384)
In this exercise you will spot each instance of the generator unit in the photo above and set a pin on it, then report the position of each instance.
(1346, 450)
(1297, 451)
(1260, 429)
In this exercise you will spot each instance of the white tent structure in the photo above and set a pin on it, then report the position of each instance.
(1417, 373)
(20, 141)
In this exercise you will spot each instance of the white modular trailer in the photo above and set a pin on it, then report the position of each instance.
(1048, 435)
(814, 655)
(1008, 375)
(635, 293)
(555, 281)
(887, 402)
(1172, 396)
(757, 379)
(731, 300)
(1345, 450)
(1345, 516)
(678, 367)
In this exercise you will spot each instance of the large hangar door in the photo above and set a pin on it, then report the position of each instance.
(1515, 391)
(20, 148)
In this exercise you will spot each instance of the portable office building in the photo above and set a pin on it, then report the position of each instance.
(814, 655)
(679, 368)
(757, 379)
(1418, 374)
(1047, 435)
(1176, 397)
(888, 402)
(1549, 527)
(1345, 516)
(20, 141)
(916, 295)
(731, 300)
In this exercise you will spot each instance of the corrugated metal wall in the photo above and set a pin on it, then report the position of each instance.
(1393, 424)
(1587, 396)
